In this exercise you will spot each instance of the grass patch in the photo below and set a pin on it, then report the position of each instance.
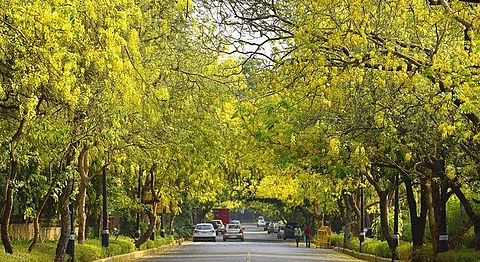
(89, 251)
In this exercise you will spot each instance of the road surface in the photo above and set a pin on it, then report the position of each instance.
(257, 247)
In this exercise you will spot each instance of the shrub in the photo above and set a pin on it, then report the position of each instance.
(468, 240)
(384, 250)
(88, 251)
(404, 251)
(423, 254)
(353, 244)
(336, 240)
(464, 255)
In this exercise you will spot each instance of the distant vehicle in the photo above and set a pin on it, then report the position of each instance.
(276, 227)
(260, 222)
(290, 230)
(235, 222)
(369, 232)
(260, 217)
(273, 227)
(265, 227)
(222, 214)
(233, 231)
(204, 231)
(281, 232)
(219, 225)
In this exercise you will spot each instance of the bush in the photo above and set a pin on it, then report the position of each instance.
(353, 244)
(404, 251)
(423, 254)
(336, 240)
(464, 255)
(468, 240)
(89, 251)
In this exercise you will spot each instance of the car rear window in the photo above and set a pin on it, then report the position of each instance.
(204, 227)
(233, 226)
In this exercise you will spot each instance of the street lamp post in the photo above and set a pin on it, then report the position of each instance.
(139, 196)
(105, 232)
(396, 235)
(362, 207)
(71, 237)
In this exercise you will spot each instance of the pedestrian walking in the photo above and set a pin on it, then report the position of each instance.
(298, 234)
(308, 236)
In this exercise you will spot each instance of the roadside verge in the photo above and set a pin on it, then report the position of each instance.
(140, 254)
(363, 256)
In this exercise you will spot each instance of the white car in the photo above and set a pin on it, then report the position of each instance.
(204, 231)
(260, 222)
(233, 231)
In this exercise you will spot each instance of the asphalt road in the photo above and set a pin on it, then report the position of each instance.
(258, 246)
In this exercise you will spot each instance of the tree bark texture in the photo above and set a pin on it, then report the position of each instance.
(151, 215)
(64, 224)
(83, 169)
(347, 221)
(7, 203)
(418, 222)
(36, 227)
(384, 224)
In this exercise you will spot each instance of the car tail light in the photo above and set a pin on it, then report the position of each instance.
(241, 231)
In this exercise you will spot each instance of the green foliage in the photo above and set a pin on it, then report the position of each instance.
(405, 251)
(466, 255)
(353, 244)
(468, 240)
(423, 254)
(336, 240)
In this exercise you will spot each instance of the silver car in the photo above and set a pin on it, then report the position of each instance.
(233, 231)
(204, 231)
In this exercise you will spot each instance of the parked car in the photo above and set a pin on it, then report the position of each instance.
(260, 222)
(233, 231)
(220, 226)
(204, 231)
(281, 232)
(271, 226)
(265, 227)
(276, 227)
(369, 232)
(236, 222)
(290, 230)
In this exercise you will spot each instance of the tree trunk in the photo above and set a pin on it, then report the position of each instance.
(172, 218)
(82, 217)
(36, 228)
(7, 203)
(83, 169)
(7, 211)
(474, 217)
(65, 223)
(384, 224)
(418, 222)
(348, 221)
(431, 214)
(152, 215)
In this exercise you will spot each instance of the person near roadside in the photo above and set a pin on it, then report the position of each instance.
(308, 236)
(298, 234)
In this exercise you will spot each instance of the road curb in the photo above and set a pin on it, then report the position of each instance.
(140, 254)
(363, 256)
